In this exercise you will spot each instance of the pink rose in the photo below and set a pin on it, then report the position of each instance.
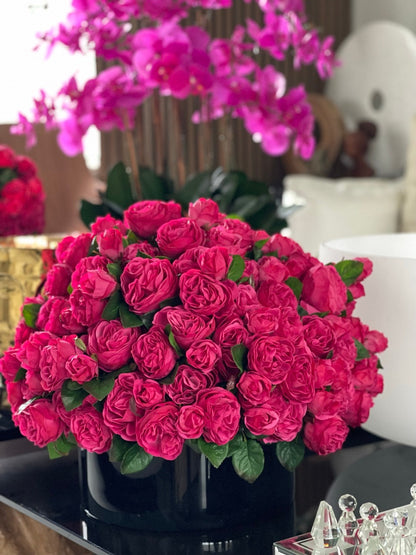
(146, 282)
(112, 343)
(61, 411)
(299, 385)
(40, 423)
(318, 335)
(186, 326)
(205, 212)
(254, 389)
(69, 322)
(22, 332)
(144, 218)
(299, 263)
(290, 421)
(261, 420)
(25, 167)
(15, 397)
(375, 341)
(177, 236)
(81, 368)
(364, 374)
(31, 350)
(86, 264)
(147, 392)
(262, 320)
(110, 243)
(282, 246)
(187, 383)
(132, 250)
(271, 357)
(49, 315)
(228, 334)
(119, 408)
(153, 354)
(325, 436)
(324, 290)
(7, 157)
(97, 283)
(276, 295)
(107, 222)
(215, 262)
(190, 421)
(85, 309)
(358, 409)
(325, 404)
(57, 280)
(71, 249)
(203, 354)
(235, 235)
(245, 299)
(222, 414)
(202, 294)
(271, 268)
(9, 363)
(157, 432)
(189, 260)
(90, 430)
(53, 360)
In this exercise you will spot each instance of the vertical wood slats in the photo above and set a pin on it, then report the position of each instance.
(161, 145)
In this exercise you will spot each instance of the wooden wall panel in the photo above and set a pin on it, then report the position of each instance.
(161, 143)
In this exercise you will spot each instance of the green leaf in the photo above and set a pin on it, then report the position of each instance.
(193, 444)
(30, 313)
(129, 319)
(61, 447)
(237, 267)
(114, 269)
(80, 344)
(20, 374)
(172, 340)
(216, 454)
(100, 387)
(257, 248)
(119, 448)
(349, 270)
(194, 188)
(238, 352)
(290, 453)
(111, 309)
(6, 175)
(154, 186)
(248, 460)
(296, 285)
(350, 297)
(119, 187)
(72, 398)
(135, 459)
(235, 444)
(362, 352)
(89, 212)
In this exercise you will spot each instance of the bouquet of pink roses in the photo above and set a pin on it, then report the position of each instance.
(22, 199)
(164, 330)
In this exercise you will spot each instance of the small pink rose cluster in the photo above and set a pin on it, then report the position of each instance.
(164, 329)
(156, 49)
(22, 199)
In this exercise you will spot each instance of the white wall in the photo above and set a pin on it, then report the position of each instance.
(399, 11)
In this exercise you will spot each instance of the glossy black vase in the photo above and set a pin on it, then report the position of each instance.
(189, 507)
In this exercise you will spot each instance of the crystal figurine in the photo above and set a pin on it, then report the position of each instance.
(368, 528)
(347, 522)
(325, 531)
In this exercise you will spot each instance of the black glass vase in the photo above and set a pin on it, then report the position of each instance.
(187, 506)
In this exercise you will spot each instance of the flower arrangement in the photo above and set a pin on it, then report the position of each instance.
(22, 198)
(163, 330)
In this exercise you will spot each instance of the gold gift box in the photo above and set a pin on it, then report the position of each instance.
(21, 270)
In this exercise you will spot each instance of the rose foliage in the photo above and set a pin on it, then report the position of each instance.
(22, 198)
(164, 330)
(163, 47)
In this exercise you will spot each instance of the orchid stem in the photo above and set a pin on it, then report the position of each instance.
(131, 150)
